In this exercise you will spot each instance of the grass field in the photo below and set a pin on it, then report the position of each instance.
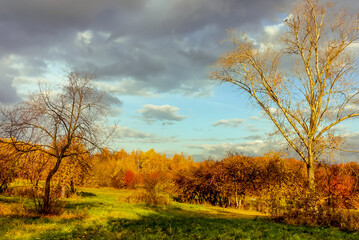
(104, 214)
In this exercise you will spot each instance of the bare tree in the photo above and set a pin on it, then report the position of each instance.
(304, 81)
(54, 121)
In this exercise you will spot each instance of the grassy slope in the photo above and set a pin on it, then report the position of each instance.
(102, 214)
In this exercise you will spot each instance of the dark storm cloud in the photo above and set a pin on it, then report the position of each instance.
(160, 45)
(187, 17)
(7, 91)
(45, 15)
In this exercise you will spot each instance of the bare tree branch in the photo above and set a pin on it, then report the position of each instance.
(304, 103)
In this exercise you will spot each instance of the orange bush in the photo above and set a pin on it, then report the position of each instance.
(129, 179)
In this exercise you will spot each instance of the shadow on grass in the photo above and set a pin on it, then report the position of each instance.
(12, 224)
(83, 205)
(176, 223)
(86, 194)
(7, 199)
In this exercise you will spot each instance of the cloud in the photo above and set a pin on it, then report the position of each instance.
(122, 132)
(254, 118)
(157, 139)
(8, 93)
(127, 87)
(11, 67)
(111, 100)
(112, 104)
(166, 114)
(253, 137)
(249, 148)
(228, 122)
(348, 151)
(274, 29)
(351, 148)
(161, 46)
(252, 128)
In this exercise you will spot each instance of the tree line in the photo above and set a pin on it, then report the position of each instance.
(277, 186)
(258, 182)
(270, 184)
(117, 169)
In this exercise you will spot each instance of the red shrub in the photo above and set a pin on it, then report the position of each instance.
(129, 178)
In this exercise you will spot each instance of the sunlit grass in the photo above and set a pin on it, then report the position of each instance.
(105, 214)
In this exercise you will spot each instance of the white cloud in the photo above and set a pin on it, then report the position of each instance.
(274, 111)
(273, 30)
(254, 118)
(249, 148)
(252, 128)
(84, 38)
(354, 46)
(122, 132)
(234, 122)
(165, 113)
(128, 135)
(27, 80)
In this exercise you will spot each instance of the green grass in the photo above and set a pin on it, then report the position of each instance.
(104, 214)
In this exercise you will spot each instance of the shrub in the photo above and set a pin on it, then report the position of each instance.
(20, 191)
(142, 196)
(5, 209)
(17, 209)
(152, 191)
(151, 194)
(129, 179)
(78, 213)
(342, 218)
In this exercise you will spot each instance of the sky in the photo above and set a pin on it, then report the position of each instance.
(153, 58)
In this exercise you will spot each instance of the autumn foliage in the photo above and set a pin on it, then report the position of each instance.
(9, 169)
(270, 184)
(129, 178)
(117, 169)
(338, 184)
(241, 181)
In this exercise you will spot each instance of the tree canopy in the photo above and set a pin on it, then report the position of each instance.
(63, 122)
(303, 79)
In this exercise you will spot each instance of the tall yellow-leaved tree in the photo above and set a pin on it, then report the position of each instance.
(304, 80)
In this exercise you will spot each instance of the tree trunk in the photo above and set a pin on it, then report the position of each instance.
(46, 207)
(310, 175)
(3, 186)
(63, 190)
(72, 187)
(311, 194)
(236, 198)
